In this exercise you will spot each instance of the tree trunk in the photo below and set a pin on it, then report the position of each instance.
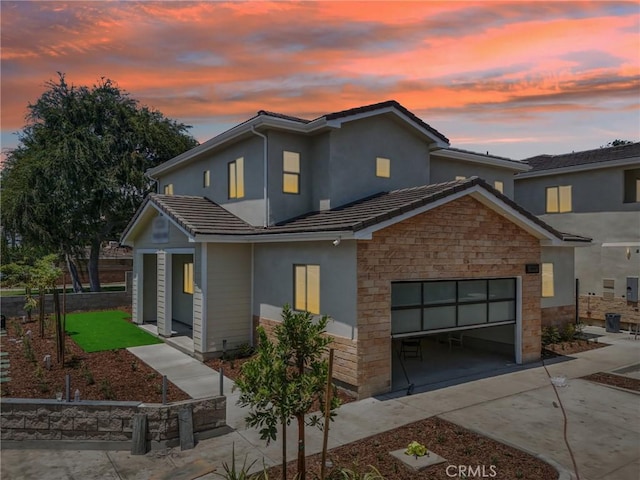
(59, 328)
(302, 470)
(284, 449)
(73, 271)
(41, 312)
(94, 275)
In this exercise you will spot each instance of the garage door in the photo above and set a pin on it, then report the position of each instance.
(444, 305)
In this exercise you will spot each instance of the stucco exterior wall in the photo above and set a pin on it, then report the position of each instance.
(273, 271)
(461, 239)
(593, 262)
(445, 169)
(531, 192)
(564, 282)
(354, 149)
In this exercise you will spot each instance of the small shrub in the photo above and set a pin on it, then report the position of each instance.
(568, 333)
(134, 366)
(43, 386)
(440, 438)
(230, 472)
(245, 350)
(107, 391)
(550, 335)
(28, 349)
(86, 373)
(372, 474)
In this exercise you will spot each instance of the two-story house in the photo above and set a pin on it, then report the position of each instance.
(594, 193)
(365, 215)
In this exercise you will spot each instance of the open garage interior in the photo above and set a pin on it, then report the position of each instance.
(449, 331)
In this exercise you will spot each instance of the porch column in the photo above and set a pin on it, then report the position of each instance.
(200, 299)
(137, 284)
(164, 293)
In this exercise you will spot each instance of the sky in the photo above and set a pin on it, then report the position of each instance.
(515, 79)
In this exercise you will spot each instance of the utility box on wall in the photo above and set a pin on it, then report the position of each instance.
(632, 289)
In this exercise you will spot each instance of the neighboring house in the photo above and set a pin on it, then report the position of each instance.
(594, 193)
(357, 215)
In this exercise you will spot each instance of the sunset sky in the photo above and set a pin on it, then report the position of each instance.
(513, 78)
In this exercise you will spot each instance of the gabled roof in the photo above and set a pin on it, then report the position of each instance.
(272, 120)
(193, 215)
(202, 219)
(584, 160)
(386, 206)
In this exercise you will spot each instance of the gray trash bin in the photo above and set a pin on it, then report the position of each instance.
(612, 322)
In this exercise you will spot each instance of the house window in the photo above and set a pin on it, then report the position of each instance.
(307, 288)
(236, 178)
(547, 280)
(559, 199)
(206, 178)
(383, 167)
(168, 189)
(290, 172)
(632, 186)
(460, 177)
(187, 278)
(498, 185)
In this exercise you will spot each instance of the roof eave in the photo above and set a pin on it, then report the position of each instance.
(514, 165)
(579, 168)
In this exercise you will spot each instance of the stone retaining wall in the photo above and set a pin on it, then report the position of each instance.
(35, 419)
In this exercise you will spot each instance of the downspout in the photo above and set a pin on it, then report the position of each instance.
(157, 183)
(266, 195)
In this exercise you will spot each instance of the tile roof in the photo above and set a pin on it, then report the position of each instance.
(200, 216)
(608, 154)
(385, 206)
(358, 110)
(386, 104)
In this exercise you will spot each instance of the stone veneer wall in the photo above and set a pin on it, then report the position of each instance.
(593, 310)
(344, 355)
(558, 316)
(461, 239)
(33, 419)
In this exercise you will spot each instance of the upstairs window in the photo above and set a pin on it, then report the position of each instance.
(290, 172)
(547, 280)
(383, 167)
(206, 178)
(498, 185)
(236, 178)
(559, 199)
(168, 189)
(632, 186)
(306, 292)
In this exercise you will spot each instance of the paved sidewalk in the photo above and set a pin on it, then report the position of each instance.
(516, 408)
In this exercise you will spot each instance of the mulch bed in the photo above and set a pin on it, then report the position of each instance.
(108, 375)
(614, 380)
(569, 348)
(456, 444)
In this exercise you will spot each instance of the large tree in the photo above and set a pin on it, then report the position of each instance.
(77, 175)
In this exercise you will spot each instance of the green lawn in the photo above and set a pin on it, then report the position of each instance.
(98, 331)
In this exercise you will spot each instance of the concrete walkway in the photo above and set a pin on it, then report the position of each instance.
(518, 408)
